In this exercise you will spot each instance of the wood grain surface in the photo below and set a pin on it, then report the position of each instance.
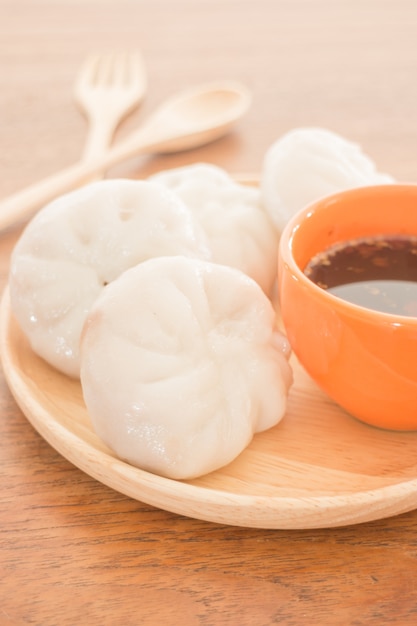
(73, 551)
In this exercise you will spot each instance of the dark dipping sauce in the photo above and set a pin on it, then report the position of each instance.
(378, 273)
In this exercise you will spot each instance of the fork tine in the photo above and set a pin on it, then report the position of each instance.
(121, 67)
(88, 70)
(137, 69)
(126, 68)
(129, 68)
(105, 69)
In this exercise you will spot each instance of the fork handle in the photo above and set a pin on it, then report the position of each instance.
(98, 139)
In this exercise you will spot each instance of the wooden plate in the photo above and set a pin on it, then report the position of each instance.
(318, 468)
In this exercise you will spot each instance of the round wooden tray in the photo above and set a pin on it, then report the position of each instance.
(318, 468)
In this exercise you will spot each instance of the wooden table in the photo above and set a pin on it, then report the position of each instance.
(72, 550)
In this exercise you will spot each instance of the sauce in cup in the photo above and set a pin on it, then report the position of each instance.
(378, 272)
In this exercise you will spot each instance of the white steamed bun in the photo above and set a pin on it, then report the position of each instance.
(308, 163)
(241, 234)
(82, 241)
(181, 363)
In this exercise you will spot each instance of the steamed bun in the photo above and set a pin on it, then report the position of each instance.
(181, 363)
(81, 242)
(240, 233)
(308, 163)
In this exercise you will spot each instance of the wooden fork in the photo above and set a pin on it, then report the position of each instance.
(108, 87)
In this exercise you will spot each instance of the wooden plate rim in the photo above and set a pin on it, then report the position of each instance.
(281, 512)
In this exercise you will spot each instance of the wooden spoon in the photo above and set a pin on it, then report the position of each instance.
(189, 119)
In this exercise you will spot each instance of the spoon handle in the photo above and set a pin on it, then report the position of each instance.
(21, 205)
(185, 121)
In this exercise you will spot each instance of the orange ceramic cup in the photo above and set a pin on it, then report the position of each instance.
(365, 360)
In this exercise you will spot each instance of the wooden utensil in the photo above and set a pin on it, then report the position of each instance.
(107, 89)
(192, 118)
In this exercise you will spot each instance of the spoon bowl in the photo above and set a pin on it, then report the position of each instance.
(192, 118)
